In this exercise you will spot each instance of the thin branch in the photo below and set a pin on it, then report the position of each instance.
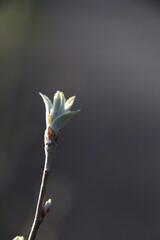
(50, 146)
(58, 114)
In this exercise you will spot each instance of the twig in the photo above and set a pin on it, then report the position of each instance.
(58, 114)
(50, 146)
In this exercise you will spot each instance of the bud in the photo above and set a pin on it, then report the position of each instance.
(47, 206)
(58, 113)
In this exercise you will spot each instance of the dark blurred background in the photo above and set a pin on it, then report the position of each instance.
(105, 181)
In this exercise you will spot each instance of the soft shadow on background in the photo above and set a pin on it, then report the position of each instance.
(105, 181)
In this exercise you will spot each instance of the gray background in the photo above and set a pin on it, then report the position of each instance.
(105, 181)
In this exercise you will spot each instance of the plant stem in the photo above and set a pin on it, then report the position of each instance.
(50, 146)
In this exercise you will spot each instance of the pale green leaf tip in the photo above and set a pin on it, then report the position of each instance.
(19, 238)
(57, 95)
(71, 99)
(41, 94)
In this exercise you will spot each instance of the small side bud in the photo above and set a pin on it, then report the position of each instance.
(18, 238)
(47, 206)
